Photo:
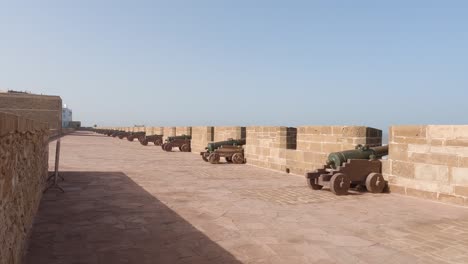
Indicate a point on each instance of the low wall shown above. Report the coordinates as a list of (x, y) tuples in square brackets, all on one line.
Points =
[(223, 133), (429, 162), (266, 146), (305, 148), (201, 135), (183, 131), (23, 172)]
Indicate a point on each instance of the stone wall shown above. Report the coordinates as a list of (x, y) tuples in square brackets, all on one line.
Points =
[(169, 132), (23, 172), (429, 162), (154, 131), (223, 133), (41, 108), (201, 136), (183, 131), (305, 148), (266, 147)]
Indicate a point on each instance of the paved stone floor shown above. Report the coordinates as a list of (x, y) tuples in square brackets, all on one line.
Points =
[(125, 203)]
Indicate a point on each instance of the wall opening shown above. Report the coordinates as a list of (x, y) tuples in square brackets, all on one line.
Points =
[(291, 138)]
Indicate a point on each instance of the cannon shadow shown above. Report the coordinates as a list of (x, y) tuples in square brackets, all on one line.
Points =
[(105, 217)]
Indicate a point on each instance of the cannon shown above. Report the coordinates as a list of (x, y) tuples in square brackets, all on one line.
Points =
[(132, 135), (231, 150), (156, 139), (121, 134), (183, 142), (351, 169)]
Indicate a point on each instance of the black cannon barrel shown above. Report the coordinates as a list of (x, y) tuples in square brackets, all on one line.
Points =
[(178, 137), (231, 142), (336, 159)]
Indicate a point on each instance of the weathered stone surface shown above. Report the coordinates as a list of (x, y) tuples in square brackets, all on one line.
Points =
[(224, 132), (23, 171), (201, 136), (435, 160)]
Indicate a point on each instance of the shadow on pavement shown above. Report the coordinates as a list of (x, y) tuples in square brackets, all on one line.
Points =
[(105, 217)]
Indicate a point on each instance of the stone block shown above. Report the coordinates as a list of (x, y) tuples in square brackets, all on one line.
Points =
[(409, 131), (459, 176), (442, 132), (331, 147), (398, 152), (8, 123), (429, 172), (418, 148), (421, 194), (354, 131), (403, 169), (457, 142), (397, 189), (463, 162), (386, 167), (409, 140), (461, 190), (460, 132), (447, 198)]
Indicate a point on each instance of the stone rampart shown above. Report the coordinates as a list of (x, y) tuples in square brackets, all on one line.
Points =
[(23, 174), (429, 161)]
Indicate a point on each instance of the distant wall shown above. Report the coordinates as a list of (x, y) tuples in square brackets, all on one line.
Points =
[(154, 131), (23, 174), (169, 132), (201, 136), (225, 132), (183, 131), (41, 108), (429, 162)]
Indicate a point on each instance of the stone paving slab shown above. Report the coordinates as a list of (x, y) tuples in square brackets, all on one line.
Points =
[(125, 203)]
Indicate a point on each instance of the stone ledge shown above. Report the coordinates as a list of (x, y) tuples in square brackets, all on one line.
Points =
[(13, 123), (426, 195)]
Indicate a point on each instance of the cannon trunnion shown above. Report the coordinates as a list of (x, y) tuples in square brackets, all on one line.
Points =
[(182, 142), (351, 168), (231, 150)]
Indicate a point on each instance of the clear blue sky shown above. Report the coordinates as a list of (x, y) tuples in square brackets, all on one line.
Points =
[(218, 62)]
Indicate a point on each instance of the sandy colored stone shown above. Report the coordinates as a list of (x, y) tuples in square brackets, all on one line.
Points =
[(403, 169), (460, 176), (409, 131)]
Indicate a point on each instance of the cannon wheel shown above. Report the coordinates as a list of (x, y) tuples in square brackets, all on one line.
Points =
[(205, 156), (130, 138), (144, 142), (158, 142), (214, 158), (185, 148), (313, 185), (228, 159), (167, 147), (238, 158), (121, 137), (375, 183), (339, 184)]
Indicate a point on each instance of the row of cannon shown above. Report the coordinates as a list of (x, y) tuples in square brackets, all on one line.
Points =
[(359, 168), (231, 149)]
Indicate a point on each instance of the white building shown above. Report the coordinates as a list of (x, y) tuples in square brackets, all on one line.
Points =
[(66, 116)]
